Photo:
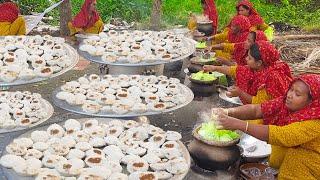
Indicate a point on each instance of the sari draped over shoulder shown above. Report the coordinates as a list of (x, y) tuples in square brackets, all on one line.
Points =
[(10, 22), (240, 52), (254, 17), (211, 12), (9, 12), (275, 112), (244, 24), (275, 78), (89, 23)]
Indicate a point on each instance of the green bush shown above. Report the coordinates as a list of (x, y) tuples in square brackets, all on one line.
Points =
[(303, 13)]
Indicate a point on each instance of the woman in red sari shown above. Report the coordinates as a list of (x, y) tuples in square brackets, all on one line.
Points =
[(10, 21), (87, 20), (210, 10), (245, 7), (264, 78), (290, 124), (239, 51), (238, 32)]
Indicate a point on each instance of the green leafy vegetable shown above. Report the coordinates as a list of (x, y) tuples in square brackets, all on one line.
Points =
[(201, 76), (201, 45), (269, 33), (209, 132), (204, 60)]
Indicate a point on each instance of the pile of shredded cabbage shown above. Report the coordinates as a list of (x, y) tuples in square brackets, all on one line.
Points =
[(201, 76), (209, 132)]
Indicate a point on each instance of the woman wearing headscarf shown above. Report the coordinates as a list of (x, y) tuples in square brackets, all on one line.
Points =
[(265, 76), (291, 124), (239, 51), (87, 20), (239, 31), (210, 11), (245, 8), (10, 21)]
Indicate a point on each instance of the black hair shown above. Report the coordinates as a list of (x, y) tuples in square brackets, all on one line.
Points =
[(244, 6), (254, 35), (255, 52)]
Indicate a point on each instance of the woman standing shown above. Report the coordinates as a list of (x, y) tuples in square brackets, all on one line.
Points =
[(291, 124), (210, 10), (11, 22), (87, 20)]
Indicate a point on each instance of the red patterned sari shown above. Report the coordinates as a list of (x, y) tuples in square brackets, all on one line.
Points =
[(241, 51), (9, 12), (211, 12), (274, 78), (84, 19), (254, 17), (244, 29), (275, 111)]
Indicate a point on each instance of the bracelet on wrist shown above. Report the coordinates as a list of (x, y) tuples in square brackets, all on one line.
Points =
[(247, 126)]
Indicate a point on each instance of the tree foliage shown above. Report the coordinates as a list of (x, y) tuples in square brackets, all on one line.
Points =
[(303, 13)]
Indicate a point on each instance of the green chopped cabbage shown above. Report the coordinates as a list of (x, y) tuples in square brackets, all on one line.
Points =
[(201, 76), (269, 32), (223, 80), (209, 132), (201, 45)]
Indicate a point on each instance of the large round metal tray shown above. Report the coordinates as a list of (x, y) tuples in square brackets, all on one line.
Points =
[(233, 100), (188, 43), (49, 109), (72, 53), (77, 109), (11, 174)]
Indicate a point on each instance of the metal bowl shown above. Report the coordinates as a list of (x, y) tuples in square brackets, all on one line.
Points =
[(245, 168)]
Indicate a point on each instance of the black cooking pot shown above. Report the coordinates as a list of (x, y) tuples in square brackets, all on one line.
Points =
[(203, 90), (213, 157), (205, 27), (194, 68)]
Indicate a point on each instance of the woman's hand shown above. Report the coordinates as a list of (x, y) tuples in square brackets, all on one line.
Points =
[(223, 61), (234, 91), (218, 111), (208, 49), (217, 46), (231, 123), (81, 31), (211, 38), (209, 68)]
